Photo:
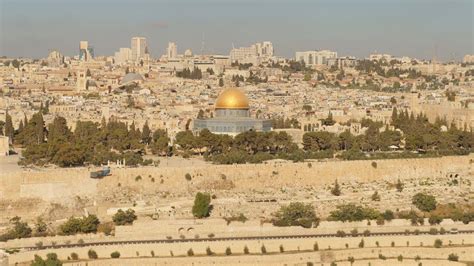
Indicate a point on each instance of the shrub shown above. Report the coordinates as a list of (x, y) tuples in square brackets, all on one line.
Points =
[(336, 190), (382, 257), (435, 219), (393, 243), (152, 253), (188, 176), (442, 231), (375, 196), (209, 251), (124, 217), (92, 254), (453, 257), (190, 252), (264, 249), (400, 257), (316, 246), (80, 241), (296, 214), (240, 218), (282, 249), (377, 243), (380, 221), (361, 244), (85, 225), (340, 233), (351, 260), (388, 215), (51, 260), (367, 232), (115, 255), (211, 235), (74, 256), (351, 212), (433, 231), (246, 250), (201, 207), (228, 251), (39, 244), (138, 178), (354, 232), (424, 202), (438, 243), (106, 228), (399, 186)]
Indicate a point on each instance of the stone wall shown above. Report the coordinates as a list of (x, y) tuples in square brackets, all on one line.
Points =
[(51, 184)]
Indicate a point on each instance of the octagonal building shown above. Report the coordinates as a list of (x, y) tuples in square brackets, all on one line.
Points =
[(232, 115)]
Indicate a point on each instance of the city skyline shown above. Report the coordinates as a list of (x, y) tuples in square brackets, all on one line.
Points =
[(428, 28)]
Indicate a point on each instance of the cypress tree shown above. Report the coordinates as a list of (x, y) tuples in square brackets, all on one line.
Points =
[(146, 132), (9, 130)]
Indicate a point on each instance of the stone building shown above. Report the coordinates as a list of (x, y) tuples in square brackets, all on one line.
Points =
[(232, 116)]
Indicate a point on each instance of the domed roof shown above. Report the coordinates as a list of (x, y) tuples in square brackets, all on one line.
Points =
[(129, 77), (232, 98)]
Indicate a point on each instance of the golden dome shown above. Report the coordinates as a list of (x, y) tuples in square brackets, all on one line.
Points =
[(232, 98)]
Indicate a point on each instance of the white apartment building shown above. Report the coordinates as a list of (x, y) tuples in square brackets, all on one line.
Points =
[(377, 57), (139, 48), (468, 59), (172, 50), (256, 51), (311, 58), (123, 56)]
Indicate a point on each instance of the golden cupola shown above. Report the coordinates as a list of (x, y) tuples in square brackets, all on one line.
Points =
[(232, 98)]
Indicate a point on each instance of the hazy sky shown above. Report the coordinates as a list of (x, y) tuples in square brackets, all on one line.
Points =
[(351, 27)]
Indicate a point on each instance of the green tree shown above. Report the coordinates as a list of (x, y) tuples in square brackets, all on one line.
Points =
[(201, 207), (92, 254), (9, 130), (296, 214), (58, 131), (336, 190), (115, 255), (146, 133), (318, 141), (351, 212), (424, 202), (20, 229), (159, 144), (124, 217), (51, 260)]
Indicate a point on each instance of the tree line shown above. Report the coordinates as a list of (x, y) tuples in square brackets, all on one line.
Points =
[(90, 143), (97, 143)]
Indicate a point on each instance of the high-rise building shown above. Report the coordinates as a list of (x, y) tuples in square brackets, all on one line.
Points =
[(123, 56), (255, 51), (311, 58), (172, 50), (86, 52), (55, 59), (139, 48)]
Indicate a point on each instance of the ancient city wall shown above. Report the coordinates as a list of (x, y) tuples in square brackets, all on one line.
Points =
[(59, 183)]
